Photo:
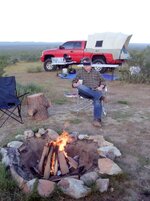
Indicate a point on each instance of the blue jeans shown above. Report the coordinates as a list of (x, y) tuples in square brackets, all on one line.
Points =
[(95, 95)]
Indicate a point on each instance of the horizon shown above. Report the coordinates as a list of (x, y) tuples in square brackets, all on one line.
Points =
[(54, 42)]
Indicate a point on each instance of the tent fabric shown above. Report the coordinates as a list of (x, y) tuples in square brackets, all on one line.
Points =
[(113, 43), (110, 40)]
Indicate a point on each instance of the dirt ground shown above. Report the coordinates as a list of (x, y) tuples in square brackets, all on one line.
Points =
[(127, 126)]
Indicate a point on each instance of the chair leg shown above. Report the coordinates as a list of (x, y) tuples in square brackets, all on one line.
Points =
[(11, 114), (104, 109), (19, 112)]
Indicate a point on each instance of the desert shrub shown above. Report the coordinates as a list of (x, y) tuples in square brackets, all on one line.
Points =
[(3, 63), (141, 59), (30, 88)]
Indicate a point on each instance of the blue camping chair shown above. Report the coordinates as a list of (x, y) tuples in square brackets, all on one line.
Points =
[(10, 103)]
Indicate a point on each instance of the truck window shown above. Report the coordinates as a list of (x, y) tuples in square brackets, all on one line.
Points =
[(77, 45), (99, 43), (72, 45), (68, 45)]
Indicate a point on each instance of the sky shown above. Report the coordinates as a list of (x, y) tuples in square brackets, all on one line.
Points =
[(63, 20)]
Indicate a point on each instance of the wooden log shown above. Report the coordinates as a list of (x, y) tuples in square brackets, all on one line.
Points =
[(62, 163), (38, 106), (44, 154), (48, 164), (56, 166), (56, 161), (72, 162)]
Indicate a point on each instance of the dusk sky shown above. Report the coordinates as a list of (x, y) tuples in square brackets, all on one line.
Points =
[(62, 20)]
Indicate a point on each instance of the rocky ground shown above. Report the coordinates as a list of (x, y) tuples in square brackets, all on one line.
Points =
[(127, 126)]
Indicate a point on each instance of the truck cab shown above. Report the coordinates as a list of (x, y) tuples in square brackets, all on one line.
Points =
[(75, 49)]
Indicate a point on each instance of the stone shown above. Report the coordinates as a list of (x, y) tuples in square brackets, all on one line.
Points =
[(28, 133), (19, 180), (5, 157), (45, 187), (29, 186), (53, 135), (38, 135), (100, 140), (83, 137), (102, 185), (20, 137), (109, 152), (107, 166), (41, 131), (89, 178), (15, 144), (73, 187)]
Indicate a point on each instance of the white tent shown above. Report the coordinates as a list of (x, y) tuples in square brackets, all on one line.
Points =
[(108, 42)]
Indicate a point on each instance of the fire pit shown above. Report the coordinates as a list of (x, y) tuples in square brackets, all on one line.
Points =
[(53, 159), (65, 156)]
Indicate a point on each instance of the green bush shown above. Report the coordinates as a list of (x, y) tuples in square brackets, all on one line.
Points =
[(141, 59), (3, 63), (30, 88), (6, 184)]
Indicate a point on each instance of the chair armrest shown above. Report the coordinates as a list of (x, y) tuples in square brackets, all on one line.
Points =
[(23, 95)]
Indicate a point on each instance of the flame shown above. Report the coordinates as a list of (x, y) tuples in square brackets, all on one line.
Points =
[(58, 145), (62, 140)]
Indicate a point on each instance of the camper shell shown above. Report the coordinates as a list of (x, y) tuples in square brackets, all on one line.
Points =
[(114, 43)]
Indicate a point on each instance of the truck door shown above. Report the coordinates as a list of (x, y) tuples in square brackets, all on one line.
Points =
[(72, 49)]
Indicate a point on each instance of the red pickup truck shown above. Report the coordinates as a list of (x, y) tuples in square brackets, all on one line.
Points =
[(79, 49)]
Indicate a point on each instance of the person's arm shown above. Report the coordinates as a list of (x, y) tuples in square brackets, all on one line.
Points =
[(102, 84), (75, 81)]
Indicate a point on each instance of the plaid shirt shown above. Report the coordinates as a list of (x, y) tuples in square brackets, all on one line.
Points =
[(91, 79)]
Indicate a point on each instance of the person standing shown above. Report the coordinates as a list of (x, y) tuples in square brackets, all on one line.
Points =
[(91, 87)]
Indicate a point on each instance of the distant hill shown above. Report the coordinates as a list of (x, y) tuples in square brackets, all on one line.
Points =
[(4, 44), (45, 45), (26, 46), (138, 46)]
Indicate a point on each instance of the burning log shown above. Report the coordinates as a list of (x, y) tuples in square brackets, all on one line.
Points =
[(63, 163), (72, 162), (54, 160), (44, 154), (48, 163), (56, 167)]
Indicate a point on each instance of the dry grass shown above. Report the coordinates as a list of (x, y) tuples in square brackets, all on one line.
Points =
[(126, 126)]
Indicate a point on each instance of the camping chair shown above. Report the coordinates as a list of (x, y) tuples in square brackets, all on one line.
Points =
[(84, 103), (10, 103)]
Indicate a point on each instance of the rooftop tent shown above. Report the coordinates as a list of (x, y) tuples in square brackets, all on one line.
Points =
[(108, 42)]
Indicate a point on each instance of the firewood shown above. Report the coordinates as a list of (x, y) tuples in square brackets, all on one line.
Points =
[(44, 154), (56, 161), (48, 164), (62, 163), (72, 162), (56, 166)]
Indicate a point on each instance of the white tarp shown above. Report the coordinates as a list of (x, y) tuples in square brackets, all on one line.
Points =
[(108, 42)]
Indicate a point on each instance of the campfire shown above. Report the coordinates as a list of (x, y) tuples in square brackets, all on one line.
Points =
[(55, 160), (66, 161)]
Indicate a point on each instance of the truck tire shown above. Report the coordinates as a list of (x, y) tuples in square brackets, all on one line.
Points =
[(100, 69), (48, 65)]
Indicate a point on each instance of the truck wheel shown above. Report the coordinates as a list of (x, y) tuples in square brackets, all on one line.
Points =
[(48, 65), (100, 69)]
